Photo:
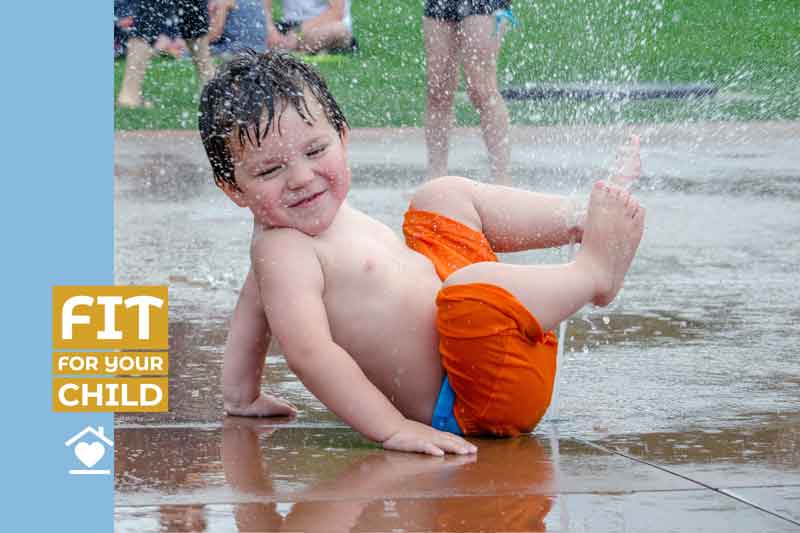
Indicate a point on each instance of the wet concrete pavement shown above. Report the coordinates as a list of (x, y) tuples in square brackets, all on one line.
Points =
[(680, 404), (252, 475)]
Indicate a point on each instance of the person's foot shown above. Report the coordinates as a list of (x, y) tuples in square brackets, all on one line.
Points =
[(614, 226), (628, 165), (133, 103)]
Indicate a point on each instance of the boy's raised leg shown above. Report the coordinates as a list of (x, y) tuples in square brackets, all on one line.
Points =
[(552, 293)]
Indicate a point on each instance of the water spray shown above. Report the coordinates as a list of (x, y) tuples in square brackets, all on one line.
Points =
[(626, 171)]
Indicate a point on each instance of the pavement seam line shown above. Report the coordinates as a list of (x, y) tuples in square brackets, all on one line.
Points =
[(287, 498), (723, 492)]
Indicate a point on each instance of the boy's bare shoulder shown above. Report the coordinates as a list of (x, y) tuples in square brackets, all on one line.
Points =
[(266, 239), (291, 282), (282, 253)]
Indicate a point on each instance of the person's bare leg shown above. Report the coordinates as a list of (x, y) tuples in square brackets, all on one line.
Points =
[(442, 76), (552, 293), (201, 56), (138, 56), (628, 164), (333, 35), (479, 43)]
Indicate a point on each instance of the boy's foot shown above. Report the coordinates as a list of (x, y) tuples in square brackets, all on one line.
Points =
[(628, 165), (614, 226)]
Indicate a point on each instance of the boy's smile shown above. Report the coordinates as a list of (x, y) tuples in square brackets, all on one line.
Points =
[(298, 177)]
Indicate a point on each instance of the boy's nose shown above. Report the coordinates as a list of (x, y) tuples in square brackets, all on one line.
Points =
[(301, 175)]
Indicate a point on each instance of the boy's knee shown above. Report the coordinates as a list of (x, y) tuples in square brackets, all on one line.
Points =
[(438, 191), (484, 272), (449, 196)]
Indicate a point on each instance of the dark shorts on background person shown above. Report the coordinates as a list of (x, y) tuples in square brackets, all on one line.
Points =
[(285, 26), (458, 10), (177, 18)]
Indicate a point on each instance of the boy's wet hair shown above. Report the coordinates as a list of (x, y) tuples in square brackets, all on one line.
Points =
[(252, 88)]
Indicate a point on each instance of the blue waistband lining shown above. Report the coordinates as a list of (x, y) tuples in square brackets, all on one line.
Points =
[(443, 417)]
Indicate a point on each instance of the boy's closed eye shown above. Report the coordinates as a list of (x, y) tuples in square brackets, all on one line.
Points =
[(269, 171), (313, 152), (317, 150)]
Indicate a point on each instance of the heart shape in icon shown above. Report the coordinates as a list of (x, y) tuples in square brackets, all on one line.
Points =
[(89, 454)]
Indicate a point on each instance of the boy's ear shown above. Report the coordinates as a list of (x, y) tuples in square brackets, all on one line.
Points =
[(233, 193)]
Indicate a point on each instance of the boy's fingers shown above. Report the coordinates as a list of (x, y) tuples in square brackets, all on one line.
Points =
[(455, 444), (471, 448), (285, 409), (280, 402), (432, 449), (464, 443), (463, 448), (290, 405)]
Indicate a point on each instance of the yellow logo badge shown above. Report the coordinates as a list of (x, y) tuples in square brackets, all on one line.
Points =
[(122, 330)]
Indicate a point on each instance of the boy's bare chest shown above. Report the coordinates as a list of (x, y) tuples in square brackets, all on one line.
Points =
[(380, 299), (374, 282), (373, 263)]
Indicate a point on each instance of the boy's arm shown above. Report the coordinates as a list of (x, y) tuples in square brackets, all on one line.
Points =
[(291, 287), (243, 363)]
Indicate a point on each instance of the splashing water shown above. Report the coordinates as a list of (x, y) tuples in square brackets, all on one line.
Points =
[(626, 171)]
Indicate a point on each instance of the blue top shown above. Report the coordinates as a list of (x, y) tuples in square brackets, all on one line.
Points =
[(245, 27)]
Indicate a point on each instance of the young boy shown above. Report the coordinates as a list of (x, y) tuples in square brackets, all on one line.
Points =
[(412, 345)]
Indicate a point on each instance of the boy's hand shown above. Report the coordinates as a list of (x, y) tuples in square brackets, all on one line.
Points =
[(415, 437), (263, 405)]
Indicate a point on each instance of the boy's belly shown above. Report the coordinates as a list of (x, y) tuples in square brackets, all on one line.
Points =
[(388, 325)]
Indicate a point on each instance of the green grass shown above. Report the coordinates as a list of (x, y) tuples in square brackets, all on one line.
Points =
[(748, 48)]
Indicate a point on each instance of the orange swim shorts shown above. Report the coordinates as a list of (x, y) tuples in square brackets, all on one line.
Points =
[(499, 363)]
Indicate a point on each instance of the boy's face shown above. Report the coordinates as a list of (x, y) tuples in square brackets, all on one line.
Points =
[(296, 179)]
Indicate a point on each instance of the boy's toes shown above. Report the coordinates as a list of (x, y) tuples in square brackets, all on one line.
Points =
[(599, 193), (632, 205), (638, 218), (618, 194)]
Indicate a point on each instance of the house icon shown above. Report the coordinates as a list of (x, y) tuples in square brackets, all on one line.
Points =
[(90, 453)]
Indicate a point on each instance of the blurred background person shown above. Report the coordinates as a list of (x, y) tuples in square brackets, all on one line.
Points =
[(311, 26), (466, 34), (237, 24), (187, 19)]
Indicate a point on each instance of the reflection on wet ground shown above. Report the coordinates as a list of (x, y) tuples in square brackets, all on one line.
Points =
[(252, 475), (680, 403)]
